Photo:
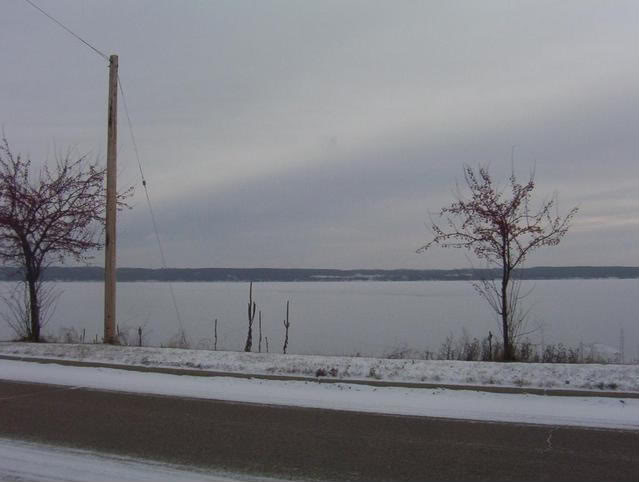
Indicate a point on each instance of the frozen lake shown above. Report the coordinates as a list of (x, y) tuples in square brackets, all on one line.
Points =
[(346, 318)]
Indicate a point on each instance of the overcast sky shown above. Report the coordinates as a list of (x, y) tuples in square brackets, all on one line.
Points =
[(322, 133)]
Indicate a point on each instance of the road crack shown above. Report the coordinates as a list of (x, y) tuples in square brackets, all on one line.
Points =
[(549, 440)]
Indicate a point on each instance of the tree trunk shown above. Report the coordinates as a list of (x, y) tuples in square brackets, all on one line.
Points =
[(505, 314), (34, 308), (505, 306), (249, 338)]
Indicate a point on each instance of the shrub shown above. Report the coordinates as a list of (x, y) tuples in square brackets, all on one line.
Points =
[(486, 354), (562, 353), (178, 340), (472, 350), (573, 355), (446, 350), (399, 352), (524, 351), (549, 355)]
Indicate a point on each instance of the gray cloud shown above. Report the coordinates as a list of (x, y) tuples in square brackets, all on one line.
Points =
[(322, 133)]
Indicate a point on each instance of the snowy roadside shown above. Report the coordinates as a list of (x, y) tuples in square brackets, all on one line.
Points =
[(600, 412), (31, 462), (611, 378)]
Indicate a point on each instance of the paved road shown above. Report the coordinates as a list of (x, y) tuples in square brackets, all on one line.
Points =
[(299, 443)]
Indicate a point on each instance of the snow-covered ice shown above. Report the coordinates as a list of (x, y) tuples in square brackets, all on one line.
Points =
[(459, 404), (623, 378), (31, 462)]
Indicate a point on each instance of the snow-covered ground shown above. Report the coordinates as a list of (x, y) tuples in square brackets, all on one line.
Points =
[(622, 378), (459, 404), (30, 462)]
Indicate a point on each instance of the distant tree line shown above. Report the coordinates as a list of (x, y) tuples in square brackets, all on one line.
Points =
[(93, 273)]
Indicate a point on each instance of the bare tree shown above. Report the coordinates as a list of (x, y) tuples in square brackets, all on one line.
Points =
[(501, 229), (48, 216)]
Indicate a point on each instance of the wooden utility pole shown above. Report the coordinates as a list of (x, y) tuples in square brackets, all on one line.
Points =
[(111, 208)]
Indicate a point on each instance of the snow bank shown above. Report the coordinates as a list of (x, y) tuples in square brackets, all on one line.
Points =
[(623, 378)]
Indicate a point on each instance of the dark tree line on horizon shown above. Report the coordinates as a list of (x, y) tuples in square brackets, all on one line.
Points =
[(95, 273)]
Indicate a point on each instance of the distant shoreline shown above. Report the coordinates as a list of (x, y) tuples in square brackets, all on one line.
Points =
[(93, 273)]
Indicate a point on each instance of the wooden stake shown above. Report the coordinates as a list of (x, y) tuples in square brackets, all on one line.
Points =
[(111, 208), (259, 318), (287, 325)]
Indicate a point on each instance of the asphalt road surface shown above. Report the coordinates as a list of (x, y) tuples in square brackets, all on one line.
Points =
[(300, 443)]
